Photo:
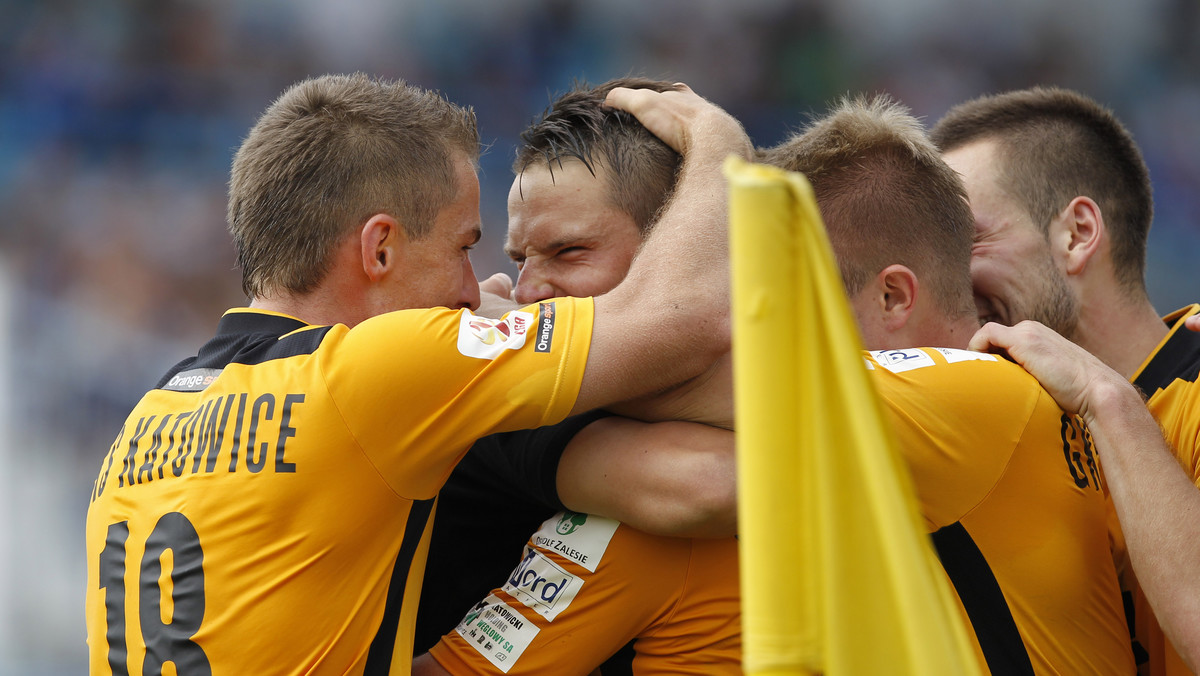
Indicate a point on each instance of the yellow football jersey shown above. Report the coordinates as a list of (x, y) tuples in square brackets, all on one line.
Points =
[(1011, 491), (585, 586), (1168, 378), (263, 510)]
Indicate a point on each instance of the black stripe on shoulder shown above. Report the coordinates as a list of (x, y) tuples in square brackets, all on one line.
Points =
[(303, 342), (379, 658), (249, 338), (173, 371), (1179, 359), (984, 602)]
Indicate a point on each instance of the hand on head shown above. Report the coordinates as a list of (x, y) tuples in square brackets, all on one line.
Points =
[(683, 120)]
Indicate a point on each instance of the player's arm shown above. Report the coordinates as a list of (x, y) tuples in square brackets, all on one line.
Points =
[(670, 478), (1193, 323), (1156, 502), (668, 321), (707, 398)]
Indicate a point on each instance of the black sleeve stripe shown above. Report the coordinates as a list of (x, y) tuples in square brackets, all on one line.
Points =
[(304, 342), (250, 338), (525, 463), (379, 658), (1179, 359), (983, 599)]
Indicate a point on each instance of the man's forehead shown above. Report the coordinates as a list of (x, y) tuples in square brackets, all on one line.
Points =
[(549, 231), (563, 171), (547, 208)]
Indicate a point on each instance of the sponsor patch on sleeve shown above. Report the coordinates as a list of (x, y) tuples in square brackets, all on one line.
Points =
[(486, 338), (542, 585), (194, 380), (953, 355), (499, 632), (544, 338), (898, 361), (581, 538)]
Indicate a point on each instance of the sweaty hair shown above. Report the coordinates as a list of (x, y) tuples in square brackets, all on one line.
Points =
[(1054, 145), (641, 169), (330, 153), (886, 197)]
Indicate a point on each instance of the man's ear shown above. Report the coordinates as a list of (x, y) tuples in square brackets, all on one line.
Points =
[(897, 288), (380, 241), (1077, 233)]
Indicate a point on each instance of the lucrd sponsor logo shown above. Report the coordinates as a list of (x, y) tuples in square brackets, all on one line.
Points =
[(538, 578)]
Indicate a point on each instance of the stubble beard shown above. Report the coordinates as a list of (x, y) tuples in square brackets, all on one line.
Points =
[(1055, 305)]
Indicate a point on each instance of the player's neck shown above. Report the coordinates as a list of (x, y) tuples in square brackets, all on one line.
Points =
[(313, 308), (947, 330), (933, 330), (1120, 331), (959, 331)]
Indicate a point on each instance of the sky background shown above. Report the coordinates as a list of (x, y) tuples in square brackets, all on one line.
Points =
[(118, 122)]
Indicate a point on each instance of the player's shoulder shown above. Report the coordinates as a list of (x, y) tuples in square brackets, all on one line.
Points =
[(943, 361), (950, 375)]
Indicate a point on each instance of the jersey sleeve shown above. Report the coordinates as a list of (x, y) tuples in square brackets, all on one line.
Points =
[(523, 464), (416, 388), (584, 588), (958, 416), (1169, 377), (1177, 410)]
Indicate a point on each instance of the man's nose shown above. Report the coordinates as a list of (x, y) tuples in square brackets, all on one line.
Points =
[(533, 286)]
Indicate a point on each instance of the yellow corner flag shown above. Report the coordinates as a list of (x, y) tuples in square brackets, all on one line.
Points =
[(837, 574)]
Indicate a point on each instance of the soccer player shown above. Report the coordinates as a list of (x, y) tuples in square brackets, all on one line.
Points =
[(666, 477), (985, 444), (590, 182), (264, 507), (1062, 204), (1140, 469), (1040, 597)]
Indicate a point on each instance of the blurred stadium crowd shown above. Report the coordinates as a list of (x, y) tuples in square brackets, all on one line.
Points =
[(118, 121)]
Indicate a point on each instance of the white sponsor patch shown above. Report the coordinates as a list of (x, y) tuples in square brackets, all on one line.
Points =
[(581, 538), (953, 355), (486, 338), (870, 364), (898, 361), (499, 632), (195, 380), (542, 585)]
